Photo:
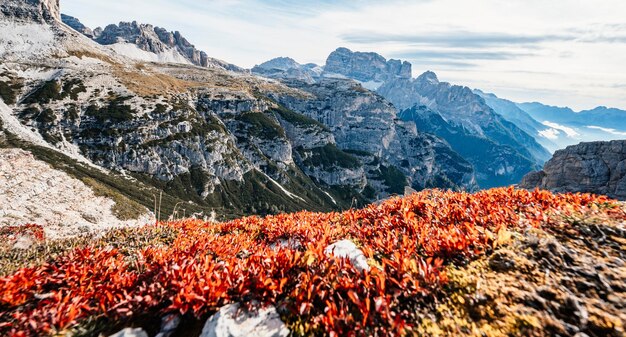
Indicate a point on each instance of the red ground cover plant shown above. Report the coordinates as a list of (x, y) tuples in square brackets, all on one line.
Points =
[(12, 233), (280, 260)]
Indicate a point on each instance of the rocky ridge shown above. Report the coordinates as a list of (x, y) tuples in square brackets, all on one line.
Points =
[(594, 167), (166, 45), (502, 154)]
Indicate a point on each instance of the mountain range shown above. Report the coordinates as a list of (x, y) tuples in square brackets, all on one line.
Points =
[(144, 105)]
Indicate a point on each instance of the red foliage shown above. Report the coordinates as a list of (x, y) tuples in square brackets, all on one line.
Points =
[(12, 233), (407, 240)]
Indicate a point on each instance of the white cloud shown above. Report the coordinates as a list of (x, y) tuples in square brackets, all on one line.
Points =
[(570, 132), (550, 133), (564, 53), (607, 130)]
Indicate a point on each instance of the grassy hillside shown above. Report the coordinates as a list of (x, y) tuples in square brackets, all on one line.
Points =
[(500, 262)]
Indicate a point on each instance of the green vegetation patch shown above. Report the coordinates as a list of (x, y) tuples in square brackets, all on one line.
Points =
[(393, 178), (124, 208), (116, 111), (46, 93), (329, 156), (261, 125), (9, 91), (297, 119)]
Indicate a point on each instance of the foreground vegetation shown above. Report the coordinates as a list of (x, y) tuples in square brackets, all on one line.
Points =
[(501, 262)]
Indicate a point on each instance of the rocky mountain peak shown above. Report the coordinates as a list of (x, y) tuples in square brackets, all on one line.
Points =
[(280, 63), (365, 66), (428, 76), (39, 11)]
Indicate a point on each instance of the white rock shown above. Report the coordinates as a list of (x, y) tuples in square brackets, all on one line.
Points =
[(130, 332), (347, 249), (228, 322), (23, 242)]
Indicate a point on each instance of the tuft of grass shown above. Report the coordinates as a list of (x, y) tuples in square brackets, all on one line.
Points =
[(124, 208)]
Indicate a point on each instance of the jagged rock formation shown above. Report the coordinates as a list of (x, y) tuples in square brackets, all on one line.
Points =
[(38, 11), (468, 117), (78, 26), (595, 167), (365, 67), (165, 46)]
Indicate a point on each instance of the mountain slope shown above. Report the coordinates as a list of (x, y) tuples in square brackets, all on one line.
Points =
[(365, 125), (511, 112), (515, 152), (165, 125)]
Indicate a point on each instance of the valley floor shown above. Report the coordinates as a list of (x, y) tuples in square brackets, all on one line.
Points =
[(501, 262)]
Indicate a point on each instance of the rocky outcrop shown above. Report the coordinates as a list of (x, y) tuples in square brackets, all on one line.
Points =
[(38, 11), (75, 24), (595, 167), (167, 45), (365, 67), (232, 321)]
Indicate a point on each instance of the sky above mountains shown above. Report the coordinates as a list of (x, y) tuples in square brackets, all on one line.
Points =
[(565, 53)]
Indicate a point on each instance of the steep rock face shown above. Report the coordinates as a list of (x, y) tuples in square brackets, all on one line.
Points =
[(495, 164), (511, 112), (465, 116), (365, 67), (77, 25), (365, 125), (38, 11), (595, 167)]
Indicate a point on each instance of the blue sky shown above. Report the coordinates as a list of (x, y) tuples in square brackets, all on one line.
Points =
[(565, 52)]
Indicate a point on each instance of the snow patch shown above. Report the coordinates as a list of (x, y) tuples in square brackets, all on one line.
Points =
[(289, 194), (132, 51), (331, 197), (20, 40)]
